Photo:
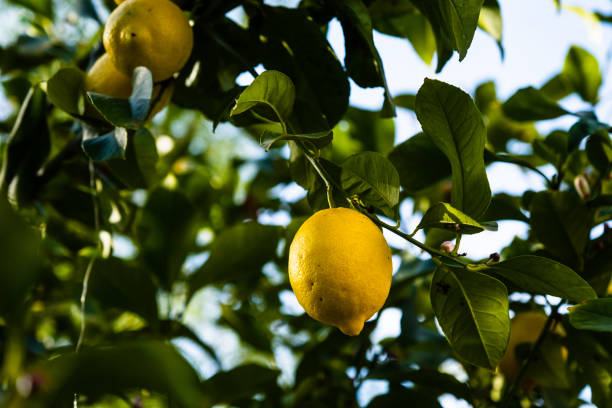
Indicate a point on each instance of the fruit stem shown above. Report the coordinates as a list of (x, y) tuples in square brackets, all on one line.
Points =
[(517, 380), (431, 251), (315, 164), (457, 243)]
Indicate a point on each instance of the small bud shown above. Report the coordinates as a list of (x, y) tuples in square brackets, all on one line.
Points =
[(447, 246), (494, 257), (582, 187)]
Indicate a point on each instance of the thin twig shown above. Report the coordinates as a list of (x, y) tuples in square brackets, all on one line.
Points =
[(90, 264)]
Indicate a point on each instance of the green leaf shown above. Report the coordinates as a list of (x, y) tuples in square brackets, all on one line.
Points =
[(122, 367), (296, 46), (472, 309), (20, 251), (599, 152), (490, 20), (529, 104), (128, 113), (362, 61), (419, 163), (116, 283), (406, 101), (588, 124), (64, 89), (448, 115), (237, 254), (366, 131), (454, 23), (504, 207), (247, 327), (374, 179), (406, 21), (536, 274), (111, 145), (561, 221), (271, 95), (318, 140), (433, 380), (166, 230), (243, 381), (27, 149), (595, 315), (581, 72), (443, 215), (139, 169)]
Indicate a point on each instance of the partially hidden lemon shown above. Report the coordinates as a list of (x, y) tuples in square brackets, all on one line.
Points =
[(103, 78), (340, 268), (151, 33), (524, 328)]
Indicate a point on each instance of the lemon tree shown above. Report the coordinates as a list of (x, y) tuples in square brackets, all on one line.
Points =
[(192, 214)]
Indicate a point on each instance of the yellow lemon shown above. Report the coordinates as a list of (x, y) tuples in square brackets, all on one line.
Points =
[(340, 268), (151, 33), (103, 78), (524, 328)]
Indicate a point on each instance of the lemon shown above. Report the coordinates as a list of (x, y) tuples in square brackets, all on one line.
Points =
[(340, 268), (151, 33), (524, 328), (103, 78)]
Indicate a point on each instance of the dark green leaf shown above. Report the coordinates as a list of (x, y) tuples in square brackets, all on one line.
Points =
[(122, 367), (586, 125), (138, 170), (296, 46), (243, 381), (111, 145), (561, 221), (540, 275), (166, 231), (20, 253), (27, 148), (454, 23), (529, 104), (439, 383), (595, 315), (504, 207), (472, 309), (419, 163), (271, 95), (443, 215), (247, 327), (374, 179), (362, 61), (64, 89), (237, 254), (599, 152), (115, 283), (448, 115)]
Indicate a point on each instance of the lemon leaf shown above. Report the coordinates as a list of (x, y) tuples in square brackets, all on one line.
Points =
[(529, 104), (536, 274), (443, 215), (596, 314), (271, 95), (374, 179), (472, 309), (449, 116)]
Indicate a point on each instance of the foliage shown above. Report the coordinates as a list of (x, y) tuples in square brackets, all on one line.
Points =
[(128, 245)]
